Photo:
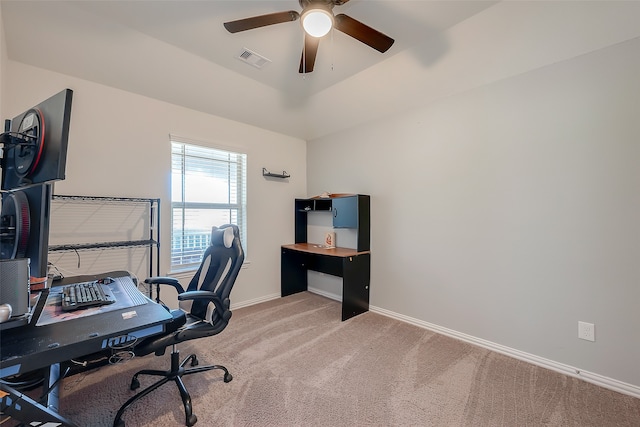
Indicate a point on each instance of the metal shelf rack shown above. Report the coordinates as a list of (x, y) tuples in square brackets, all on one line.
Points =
[(152, 242)]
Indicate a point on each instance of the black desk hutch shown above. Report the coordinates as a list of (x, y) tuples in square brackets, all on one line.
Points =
[(353, 265)]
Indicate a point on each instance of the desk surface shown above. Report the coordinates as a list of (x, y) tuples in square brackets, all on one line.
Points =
[(321, 250), (30, 347), (354, 267)]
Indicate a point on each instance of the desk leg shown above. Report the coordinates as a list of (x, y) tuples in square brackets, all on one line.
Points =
[(293, 273), (355, 285), (22, 408), (53, 397)]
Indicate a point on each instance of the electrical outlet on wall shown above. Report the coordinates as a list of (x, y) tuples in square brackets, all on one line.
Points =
[(586, 331)]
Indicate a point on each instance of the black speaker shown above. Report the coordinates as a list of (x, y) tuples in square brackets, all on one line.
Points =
[(14, 285)]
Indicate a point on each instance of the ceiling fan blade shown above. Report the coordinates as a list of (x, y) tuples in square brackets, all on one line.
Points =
[(261, 21), (309, 53), (364, 33)]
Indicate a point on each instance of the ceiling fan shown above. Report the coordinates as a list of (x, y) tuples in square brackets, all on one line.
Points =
[(317, 20)]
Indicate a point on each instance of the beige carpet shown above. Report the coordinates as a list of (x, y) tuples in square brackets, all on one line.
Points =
[(296, 364)]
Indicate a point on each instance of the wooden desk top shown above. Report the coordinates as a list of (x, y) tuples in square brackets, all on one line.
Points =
[(320, 250)]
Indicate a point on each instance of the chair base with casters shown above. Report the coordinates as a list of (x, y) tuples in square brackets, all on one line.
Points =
[(175, 374)]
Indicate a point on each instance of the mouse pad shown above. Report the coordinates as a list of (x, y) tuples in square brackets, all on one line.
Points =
[(124, 295)]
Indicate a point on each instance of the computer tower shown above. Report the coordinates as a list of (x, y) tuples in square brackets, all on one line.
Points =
[(14, 285)]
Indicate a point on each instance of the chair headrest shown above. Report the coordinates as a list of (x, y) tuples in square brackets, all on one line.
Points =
[(222, 236)]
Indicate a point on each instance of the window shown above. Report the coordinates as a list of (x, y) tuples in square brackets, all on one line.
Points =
[(208, 188)]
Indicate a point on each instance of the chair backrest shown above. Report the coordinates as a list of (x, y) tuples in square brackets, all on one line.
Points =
[(218, 271)]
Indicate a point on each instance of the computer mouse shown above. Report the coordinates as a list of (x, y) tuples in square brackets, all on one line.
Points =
[(5, 312)]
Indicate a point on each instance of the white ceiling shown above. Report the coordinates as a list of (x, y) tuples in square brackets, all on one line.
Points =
[(179, 52)]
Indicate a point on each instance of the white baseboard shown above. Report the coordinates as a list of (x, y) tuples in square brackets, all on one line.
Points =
[(254, 301), (324, 293), (276, 296), (600, 380)]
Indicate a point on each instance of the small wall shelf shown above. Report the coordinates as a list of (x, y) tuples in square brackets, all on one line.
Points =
[(282, 175)]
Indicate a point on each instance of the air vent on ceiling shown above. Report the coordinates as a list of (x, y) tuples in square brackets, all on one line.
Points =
[(253, 58)]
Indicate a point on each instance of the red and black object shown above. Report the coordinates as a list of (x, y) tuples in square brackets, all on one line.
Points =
[(35, 144), (14, 226), (28, 153)]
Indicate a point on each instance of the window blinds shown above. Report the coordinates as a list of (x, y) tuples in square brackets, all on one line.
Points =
[(208, 188)]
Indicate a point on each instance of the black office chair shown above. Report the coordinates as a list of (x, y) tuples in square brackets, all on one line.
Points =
[(208, 294)]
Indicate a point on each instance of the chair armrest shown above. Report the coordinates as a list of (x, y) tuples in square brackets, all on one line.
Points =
[(201, 295), (164, 280)]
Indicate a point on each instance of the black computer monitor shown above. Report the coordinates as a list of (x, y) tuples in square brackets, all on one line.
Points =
[(34, 154), (35, 145)]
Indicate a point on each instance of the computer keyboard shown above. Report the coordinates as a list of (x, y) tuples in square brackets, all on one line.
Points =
[(76, 296)]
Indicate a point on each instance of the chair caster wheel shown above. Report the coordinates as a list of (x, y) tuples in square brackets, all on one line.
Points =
[(192, 420), (120, 423), (135, 384), (194, 361), (227, 377)]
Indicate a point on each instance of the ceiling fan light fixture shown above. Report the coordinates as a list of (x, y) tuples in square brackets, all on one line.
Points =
[(317, 22)]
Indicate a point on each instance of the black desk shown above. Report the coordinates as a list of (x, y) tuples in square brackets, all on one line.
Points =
[(30, 348), (354, 267)]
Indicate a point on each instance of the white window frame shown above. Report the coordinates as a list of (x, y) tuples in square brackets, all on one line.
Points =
[(188, 254)]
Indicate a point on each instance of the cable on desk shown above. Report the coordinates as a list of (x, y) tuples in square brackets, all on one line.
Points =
[(28, 383), (83, 363), (54, 272), (87, 362), (121, 357), (123, 352)]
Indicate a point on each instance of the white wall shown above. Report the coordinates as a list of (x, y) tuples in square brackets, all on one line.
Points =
[(119, 146), (510, 212), (3, 61)]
